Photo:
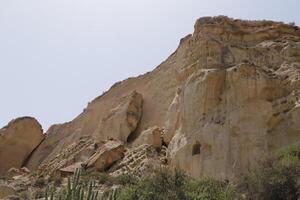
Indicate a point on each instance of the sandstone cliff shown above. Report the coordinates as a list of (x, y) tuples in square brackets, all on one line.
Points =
[(229, 94), (17, 141)]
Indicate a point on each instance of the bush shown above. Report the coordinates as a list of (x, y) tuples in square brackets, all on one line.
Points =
[(209, 189), (165, 185), (40, 182), (75, 190), (125, 179), (160, 186), (100, 177), (277, 177)]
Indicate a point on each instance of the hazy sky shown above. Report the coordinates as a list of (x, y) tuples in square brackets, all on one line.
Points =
[(57, 55)]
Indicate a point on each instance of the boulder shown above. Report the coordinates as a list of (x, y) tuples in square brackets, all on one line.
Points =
[(17, 141), (71, 169), (107, 155), (151, 136), (12, 172), (122, 120)]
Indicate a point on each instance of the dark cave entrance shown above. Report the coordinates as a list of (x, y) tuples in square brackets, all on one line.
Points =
[(196, 149)]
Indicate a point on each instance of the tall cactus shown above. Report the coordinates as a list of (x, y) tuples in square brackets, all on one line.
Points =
[(75, 190)]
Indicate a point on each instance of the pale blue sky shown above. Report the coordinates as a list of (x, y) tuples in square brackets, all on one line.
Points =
[(57, 55)]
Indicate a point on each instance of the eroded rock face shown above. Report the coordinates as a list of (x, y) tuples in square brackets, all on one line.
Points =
[(229, 94), (242, 92), (152, 136), (6, 191), (140, 160), (122, 120), (17, 141), (108, 154)]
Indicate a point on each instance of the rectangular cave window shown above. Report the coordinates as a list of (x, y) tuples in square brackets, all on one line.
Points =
[(196, 149)]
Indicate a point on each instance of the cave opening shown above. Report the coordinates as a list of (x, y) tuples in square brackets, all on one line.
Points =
[(196, 149)]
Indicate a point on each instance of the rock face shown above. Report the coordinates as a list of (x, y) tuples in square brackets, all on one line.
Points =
[(140, 160), (17, 141), (152, 136), (122, 120), (6, 191), (110, 152), (229, 94)]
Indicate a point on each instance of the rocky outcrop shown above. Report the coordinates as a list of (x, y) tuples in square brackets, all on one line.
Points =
[(17, 141), (6, 191), (70, 158), (242, 92), (116, 119), (228, 95), (151, 136), (122, 120), (140, 160), (107, 155)]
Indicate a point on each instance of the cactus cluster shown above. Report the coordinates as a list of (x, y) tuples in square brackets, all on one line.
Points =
[(76, 190)]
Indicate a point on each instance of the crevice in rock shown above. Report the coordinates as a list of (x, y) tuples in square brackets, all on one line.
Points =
[(29, 156)]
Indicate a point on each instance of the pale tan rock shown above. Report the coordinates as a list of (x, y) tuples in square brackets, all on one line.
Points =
[(228, 95), (77, 152), (13, 172), (6, 191), (151, 136), (295, 118), (108, 154), (70, 169), (17, 140), (122, 120), (172, 118), (139, 160)]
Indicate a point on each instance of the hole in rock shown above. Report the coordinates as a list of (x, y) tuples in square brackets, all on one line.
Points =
[(196, 149)]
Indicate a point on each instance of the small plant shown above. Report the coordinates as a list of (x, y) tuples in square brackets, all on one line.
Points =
[(209, 189), (75, 190), (125, 179), (40, 182), (56, 180), (175, 185), (161, 185), (101, 177)]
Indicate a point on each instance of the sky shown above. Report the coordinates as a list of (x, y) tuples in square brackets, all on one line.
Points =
[(57, 55)]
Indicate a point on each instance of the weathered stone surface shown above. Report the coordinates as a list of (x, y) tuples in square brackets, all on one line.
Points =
[(117, 118), (6, 191), (77, 152), (70, 169), (12, 172), (172, 118), (108, 154), (140, 160), (228, 95), (238, 101), (17, 140), (122, 120), (151, 136)]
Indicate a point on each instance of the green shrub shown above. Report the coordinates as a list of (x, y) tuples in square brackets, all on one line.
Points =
[(40, 182), (125, 179), (277, 177), (75, 190), (160, 186), (56, 180), (209, 189), (165, 185)]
